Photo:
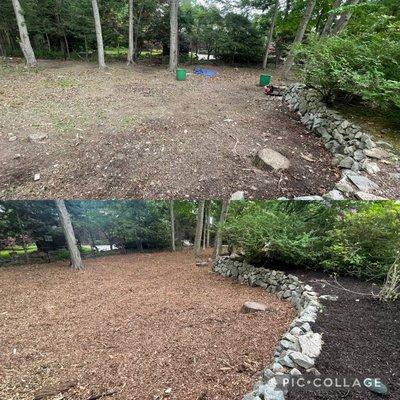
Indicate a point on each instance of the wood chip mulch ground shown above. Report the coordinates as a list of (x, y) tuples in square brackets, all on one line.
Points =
[(140, 326)]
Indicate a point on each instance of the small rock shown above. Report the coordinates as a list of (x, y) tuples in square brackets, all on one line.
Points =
[(12, 138), (36, 177), (311, 344), (363, 184), (302, 360), (309, 198), (168, 391), (295, 372), (347, 162), (334, 195), (328, 297), (375, 385), (37, 137), (344, 186), (377, 153), (368, 196), (17, 156), (371, 167), (237, 196), (252, 307), (313, 371), (268, 159)]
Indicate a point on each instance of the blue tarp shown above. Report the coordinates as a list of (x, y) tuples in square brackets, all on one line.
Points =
[(205, 72)]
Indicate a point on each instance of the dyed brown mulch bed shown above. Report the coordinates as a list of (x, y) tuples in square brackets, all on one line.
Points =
[(138, 133), (361, 338), (137, 325)]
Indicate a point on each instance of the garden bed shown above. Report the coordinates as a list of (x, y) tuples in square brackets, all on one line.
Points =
[(361, 337)]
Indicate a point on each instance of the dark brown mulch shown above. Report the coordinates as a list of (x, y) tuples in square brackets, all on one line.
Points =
[(135, 325), (361, 338)]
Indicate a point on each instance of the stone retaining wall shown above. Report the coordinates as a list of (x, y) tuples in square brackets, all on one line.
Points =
[(300, 346), (353, 150)]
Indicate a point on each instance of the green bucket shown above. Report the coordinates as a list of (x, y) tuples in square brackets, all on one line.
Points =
[(181, 74), (265, 80)]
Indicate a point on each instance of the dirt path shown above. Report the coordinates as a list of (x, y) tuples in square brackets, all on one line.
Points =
[(138, 324), (138, 133)]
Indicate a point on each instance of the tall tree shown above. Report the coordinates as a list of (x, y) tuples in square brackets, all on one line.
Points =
[(270, 34), (25, 42), (299, 36), (218, 236), (99, 34), (75, 255), (199, 227), (174, 45), (171, 206), (130, 34), (331, 18), (344, 19)]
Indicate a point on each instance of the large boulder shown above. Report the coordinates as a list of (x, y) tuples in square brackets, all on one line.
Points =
[(268, 159)]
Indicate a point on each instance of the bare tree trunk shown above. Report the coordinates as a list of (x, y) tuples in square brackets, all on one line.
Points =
[(270, 34), (205, 225), (331, 18), (172, 226), (24, 244), (130, 35), (218, 236), (75, 255), (99, 35), (208, 224), (199, 228), (25, 43), (173, 55), (299, 37), (344, 19), (136, 39), (287, 8)]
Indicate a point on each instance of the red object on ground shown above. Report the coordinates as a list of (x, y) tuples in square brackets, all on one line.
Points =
[(268, 89)]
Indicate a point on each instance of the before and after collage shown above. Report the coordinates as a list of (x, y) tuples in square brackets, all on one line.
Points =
[(199, 199)]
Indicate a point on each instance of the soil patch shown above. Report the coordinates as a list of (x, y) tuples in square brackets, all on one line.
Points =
[(137, 324), (361, 338), (138, 133)]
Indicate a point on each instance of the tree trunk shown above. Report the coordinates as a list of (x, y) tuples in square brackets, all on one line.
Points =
[(344, 19), (130, 35), (173, 55), (75, 256), (331, 17), (172, 226), (208, 224), (99, 35), (137, 30), (218, 236), (299, 37), (199, 228), (205, 225), (25, 43), (270, 34), (287, 8), (22, 231)]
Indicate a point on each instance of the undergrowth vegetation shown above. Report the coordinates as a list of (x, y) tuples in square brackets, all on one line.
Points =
[(359, 239)]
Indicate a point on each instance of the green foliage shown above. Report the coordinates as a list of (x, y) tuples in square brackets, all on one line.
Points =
[(363, 62), (348, 238)]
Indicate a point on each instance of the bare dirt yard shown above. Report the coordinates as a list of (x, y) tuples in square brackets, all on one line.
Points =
[(139, 326), (138, 133)]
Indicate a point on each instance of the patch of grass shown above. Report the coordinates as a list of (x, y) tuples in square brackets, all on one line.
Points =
[(64, 125), (5, 253), (66, 83)]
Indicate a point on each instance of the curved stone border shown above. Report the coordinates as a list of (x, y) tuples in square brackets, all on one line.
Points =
[(353, 150), (300, 346)]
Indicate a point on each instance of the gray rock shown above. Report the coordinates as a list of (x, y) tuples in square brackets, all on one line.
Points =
[(334, 195), (377, 153), (295, 372), (287, 361), (269, 159), (12, 138), (251, 396), (359, 155), (296, 331), (302, 360), (309, 198), (253, 307), (313, 371), (347, 162), (375, 386), (344, 186), (237, 196), (37, 137), (394, 175), (328, 297), (368, 196), (362, 183), (310, 344), (371, 167), (269, 393)]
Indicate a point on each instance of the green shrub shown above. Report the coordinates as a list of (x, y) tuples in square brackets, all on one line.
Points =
[(367, 67)]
